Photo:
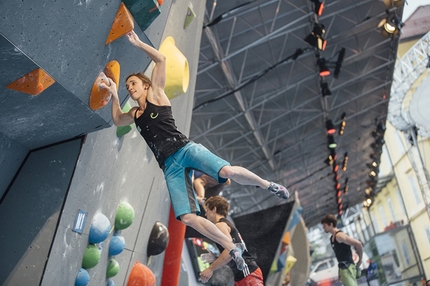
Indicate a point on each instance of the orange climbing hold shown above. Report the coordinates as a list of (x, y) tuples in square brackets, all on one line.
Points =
[(99, 97), (32, 83), (141, 275), (122, 24)]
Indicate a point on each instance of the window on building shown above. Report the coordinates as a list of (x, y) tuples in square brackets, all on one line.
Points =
[(393, 214), (375, 223), (427, 229), (399, 197), (414, 188), (383, 218), (405, 254)]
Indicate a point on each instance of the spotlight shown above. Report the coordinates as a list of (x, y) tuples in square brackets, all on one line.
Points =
[(324, 89), (395, 3), (330, 159), (330, 127), (335, 168), (331, 143), (339, 63), (345, 161), (324, 71), (342, 124), (316, 37), (318, 7), (391, 25)]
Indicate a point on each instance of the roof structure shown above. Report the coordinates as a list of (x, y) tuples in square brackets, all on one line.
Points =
[(417, 25), (259, 102)]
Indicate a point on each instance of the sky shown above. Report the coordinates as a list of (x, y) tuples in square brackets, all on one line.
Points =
[(411, 5)]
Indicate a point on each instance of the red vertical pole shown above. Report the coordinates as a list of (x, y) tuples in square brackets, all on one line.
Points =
[(173, 255)]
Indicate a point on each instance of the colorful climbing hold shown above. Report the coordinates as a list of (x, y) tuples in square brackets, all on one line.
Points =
[(91, 257), (100, 228), (124, 216)]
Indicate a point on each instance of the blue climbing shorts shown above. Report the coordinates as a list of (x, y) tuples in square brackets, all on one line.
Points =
[(178, 173)]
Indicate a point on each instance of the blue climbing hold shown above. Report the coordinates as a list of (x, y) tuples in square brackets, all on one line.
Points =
[(100, 228), (116, 245), (110, 282), (82, 278)]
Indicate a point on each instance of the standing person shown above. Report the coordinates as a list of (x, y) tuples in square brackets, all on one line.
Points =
[(341, 244), (176, 155), (217, 209), (206, 186)]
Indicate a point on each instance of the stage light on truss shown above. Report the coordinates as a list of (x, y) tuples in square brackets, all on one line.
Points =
[(391, 25), (345, 161), (342, 124), (372, 173), (318, 7), (324, 89), (316, 37), (330, 127), (330, 142), (395, 3), (324, 71), (335, 168)]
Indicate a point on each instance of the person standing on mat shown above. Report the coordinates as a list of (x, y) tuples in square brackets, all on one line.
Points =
[(217, 209), (177, 155), (341, 244)]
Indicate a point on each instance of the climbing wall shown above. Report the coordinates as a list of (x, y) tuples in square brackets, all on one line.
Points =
[(67, 40)]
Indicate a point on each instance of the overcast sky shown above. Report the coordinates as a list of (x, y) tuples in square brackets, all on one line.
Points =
[(411, 6)]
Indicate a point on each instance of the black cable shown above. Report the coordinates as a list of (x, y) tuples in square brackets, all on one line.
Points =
[(220, 17)]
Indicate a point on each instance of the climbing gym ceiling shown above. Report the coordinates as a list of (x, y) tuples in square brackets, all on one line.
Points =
[(268, 92)]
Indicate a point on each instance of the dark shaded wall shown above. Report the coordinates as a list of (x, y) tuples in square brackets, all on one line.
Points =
[(30, 212)]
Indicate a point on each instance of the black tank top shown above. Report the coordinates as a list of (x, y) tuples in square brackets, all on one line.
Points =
[(252, 265), (342, 250), (157, 127)]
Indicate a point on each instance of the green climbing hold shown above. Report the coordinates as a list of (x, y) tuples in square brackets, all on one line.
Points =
[(91, 257), (112, 269), (124, 216)]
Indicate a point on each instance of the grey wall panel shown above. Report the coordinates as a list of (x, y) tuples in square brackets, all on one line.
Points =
[(67, 39), (110, 170), (12, 155), (30, 212)]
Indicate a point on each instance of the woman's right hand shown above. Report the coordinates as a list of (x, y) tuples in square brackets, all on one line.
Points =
[(133, 38)]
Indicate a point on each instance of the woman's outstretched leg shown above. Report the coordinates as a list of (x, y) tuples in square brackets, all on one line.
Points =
[(245, 177)]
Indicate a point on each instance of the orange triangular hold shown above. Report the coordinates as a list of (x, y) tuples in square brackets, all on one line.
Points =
[(99, 97), (123, 23), (32, 83)]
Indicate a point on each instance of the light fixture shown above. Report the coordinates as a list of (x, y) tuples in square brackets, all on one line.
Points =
[(324, 89), (339, 63), (372, 174), (316, 37), (345, 161), (335, 168), (330, 127), (391, 25), (346, 187), (342, 124), (318, 7), (324, 71), (395, 3), (330, 142)]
